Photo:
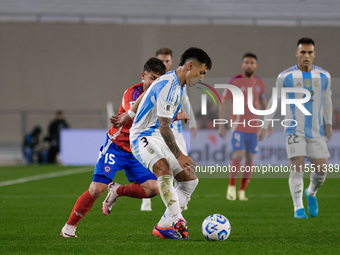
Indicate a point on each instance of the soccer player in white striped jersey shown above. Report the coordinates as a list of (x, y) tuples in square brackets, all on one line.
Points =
[(165, 54), (154, 145), (306, 136)]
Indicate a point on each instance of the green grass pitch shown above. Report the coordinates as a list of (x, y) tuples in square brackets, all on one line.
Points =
[(33, 213)]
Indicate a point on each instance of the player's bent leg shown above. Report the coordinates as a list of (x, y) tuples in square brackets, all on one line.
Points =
[(138, 174), (147, 189), (97, 189), (186, 185), (158, 163), (82, 206), (151, 189), (167, 191), (161, 168)]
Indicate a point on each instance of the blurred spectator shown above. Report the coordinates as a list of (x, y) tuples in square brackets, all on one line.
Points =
[(54, 135), (30, 143)]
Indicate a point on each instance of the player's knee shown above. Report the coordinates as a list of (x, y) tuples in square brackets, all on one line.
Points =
[(249, 160), (297, 161), (183, 176), (153, 191), (96, 189), (239, 155), (151, 188), (161, 167)]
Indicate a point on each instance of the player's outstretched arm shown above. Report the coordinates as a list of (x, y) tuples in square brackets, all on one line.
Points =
[(184, 161)]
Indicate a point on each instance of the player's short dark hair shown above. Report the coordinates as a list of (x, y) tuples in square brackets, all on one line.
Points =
[(164, 51), (198, 54), (249, 55), (305, 40), (154, 65)]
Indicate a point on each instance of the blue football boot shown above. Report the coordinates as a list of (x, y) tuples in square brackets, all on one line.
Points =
[(166, 233), (313, 207), (300, 214)]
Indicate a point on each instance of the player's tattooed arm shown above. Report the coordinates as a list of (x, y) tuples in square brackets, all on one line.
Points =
[(168, 136)]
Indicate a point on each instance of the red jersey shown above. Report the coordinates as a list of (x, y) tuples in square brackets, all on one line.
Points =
[(120, 136), (258, 89)]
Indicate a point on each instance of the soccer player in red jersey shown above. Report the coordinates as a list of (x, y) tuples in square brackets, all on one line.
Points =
[(116, 155), (244, 136)]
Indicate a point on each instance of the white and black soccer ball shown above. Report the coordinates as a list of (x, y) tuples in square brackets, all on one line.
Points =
[(216, 227)]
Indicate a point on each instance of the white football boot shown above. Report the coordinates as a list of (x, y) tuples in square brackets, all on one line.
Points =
[(68, 231), (111, 197), (242, 195), (231, 193)]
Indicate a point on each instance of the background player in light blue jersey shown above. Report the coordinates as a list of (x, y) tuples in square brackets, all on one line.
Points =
[(154, 144), (165, 54), (307, 138)]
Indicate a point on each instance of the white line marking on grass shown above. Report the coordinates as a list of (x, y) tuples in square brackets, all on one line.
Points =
[(45, 176)]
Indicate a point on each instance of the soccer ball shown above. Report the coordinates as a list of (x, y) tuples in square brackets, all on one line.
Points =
[(216, 227)]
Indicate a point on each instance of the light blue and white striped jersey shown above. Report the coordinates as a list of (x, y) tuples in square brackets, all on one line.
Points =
[(162, 99), (318, 82), (186, 108)]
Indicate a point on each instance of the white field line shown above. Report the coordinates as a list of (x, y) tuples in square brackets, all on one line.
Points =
[(45, 176)]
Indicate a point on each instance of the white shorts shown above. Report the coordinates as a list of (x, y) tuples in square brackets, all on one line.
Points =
[(150, 149), (309, 147)]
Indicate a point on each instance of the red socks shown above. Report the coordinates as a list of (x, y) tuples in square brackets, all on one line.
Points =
[(235, 165), (82, 206), (246, 176), (131, 190), (85, 201)]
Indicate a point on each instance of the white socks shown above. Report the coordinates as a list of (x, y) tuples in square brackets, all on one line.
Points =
[(316, 180), (184, 191), (170, 198), (296, 189)]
